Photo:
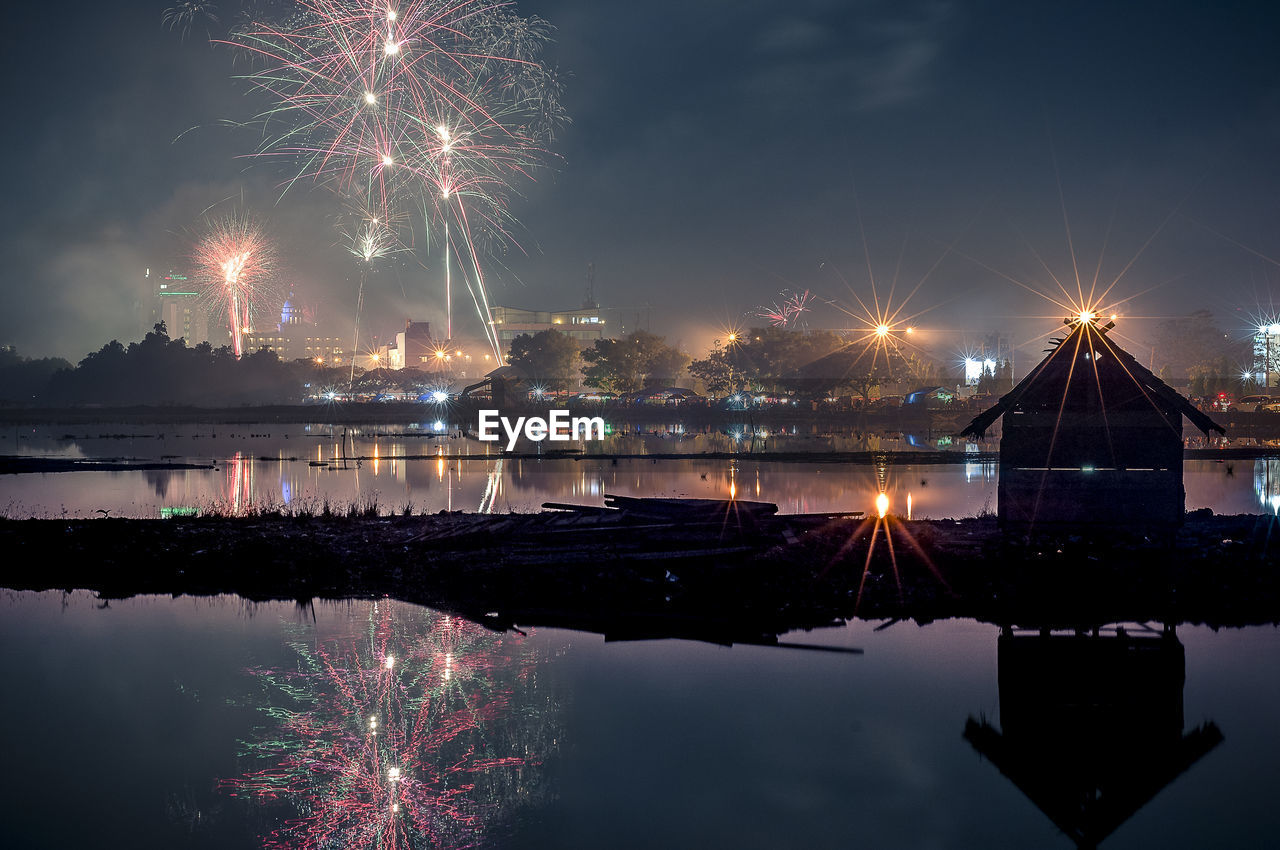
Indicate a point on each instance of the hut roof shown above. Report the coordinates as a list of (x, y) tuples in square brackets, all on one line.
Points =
[(1085, 367), (1069, 797)]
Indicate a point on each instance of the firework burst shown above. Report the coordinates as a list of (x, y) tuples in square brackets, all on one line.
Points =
[(440, 106), (235, 265), (786, 312)]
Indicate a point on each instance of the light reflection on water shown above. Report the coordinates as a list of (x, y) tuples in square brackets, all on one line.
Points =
[(215, 723), (302, 468)]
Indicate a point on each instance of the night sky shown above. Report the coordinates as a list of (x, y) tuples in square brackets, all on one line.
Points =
[(720, 152)]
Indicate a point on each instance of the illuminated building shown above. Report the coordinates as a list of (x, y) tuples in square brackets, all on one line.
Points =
[(1265, 370), (584, 325), (299, 337), (416, 348), (175, 301), (1091, 438), (417, 345)]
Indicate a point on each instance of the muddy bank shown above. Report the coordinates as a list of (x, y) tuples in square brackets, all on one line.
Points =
[(728, 577)]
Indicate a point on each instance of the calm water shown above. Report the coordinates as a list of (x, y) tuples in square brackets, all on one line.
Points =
[(300, 467), (160, 722)]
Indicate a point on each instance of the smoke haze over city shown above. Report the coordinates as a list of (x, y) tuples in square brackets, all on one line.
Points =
[(717, 153)]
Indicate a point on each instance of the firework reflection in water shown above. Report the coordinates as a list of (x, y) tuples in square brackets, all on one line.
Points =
[(410, 729)]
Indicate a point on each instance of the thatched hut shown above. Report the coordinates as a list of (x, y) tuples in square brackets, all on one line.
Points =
[(1091, 438)]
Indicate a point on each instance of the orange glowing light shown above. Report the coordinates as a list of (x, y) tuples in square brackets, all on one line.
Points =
[(882, 505)]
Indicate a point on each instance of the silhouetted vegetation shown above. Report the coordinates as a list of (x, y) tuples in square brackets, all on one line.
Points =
[(160, 370), (640, 359), (549, 357), (24, 379)]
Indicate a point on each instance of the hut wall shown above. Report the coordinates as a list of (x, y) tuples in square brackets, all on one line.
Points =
[(1123, 471)]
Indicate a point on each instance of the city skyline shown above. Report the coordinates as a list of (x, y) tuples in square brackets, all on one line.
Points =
[(716, 158)]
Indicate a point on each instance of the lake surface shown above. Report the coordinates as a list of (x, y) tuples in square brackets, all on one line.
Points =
[(301, 468), (158, 722)]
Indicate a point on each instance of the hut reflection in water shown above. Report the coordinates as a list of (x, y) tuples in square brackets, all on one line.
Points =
[(1091, 724)]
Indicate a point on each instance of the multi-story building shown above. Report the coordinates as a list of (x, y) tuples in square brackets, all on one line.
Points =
[(299, 337), (415, 348), (1266, 355), (585, 325), (176, 302)]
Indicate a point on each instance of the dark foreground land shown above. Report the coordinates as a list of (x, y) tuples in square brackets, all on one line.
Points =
[(711, 571)]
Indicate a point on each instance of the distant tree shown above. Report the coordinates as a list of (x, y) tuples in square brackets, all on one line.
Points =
[(864, 379), (549, 357), (998, 381), (24, 380), (715, 372), (640, 359), (1195, 343), (859, 367), (774, 359), (920, 371), (160, 370)]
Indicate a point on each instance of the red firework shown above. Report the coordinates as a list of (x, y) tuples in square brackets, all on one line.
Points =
[(235, 264)]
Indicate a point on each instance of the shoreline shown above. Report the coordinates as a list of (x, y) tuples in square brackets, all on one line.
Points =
[(27, 464), (736, 577)]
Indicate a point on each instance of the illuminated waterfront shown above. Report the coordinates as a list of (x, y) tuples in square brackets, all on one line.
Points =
[(301, 468)]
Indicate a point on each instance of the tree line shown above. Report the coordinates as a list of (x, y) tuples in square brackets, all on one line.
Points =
[(760, 360), (155, 370)]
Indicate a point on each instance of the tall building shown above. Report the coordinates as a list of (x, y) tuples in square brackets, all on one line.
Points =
[(1266, 355), (176, 302)]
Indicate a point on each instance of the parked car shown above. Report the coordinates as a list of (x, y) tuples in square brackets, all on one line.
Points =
[(1254, 403)]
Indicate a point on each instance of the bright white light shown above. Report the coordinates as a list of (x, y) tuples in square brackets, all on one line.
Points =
[(437, 426), (882, 505), (370, 98), (391, 661), (391, 48), (439, 396), (972, 371), (391, 14), (386, 159), (1087, 316), (1273, 330), (394, 774), (882, 330)]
